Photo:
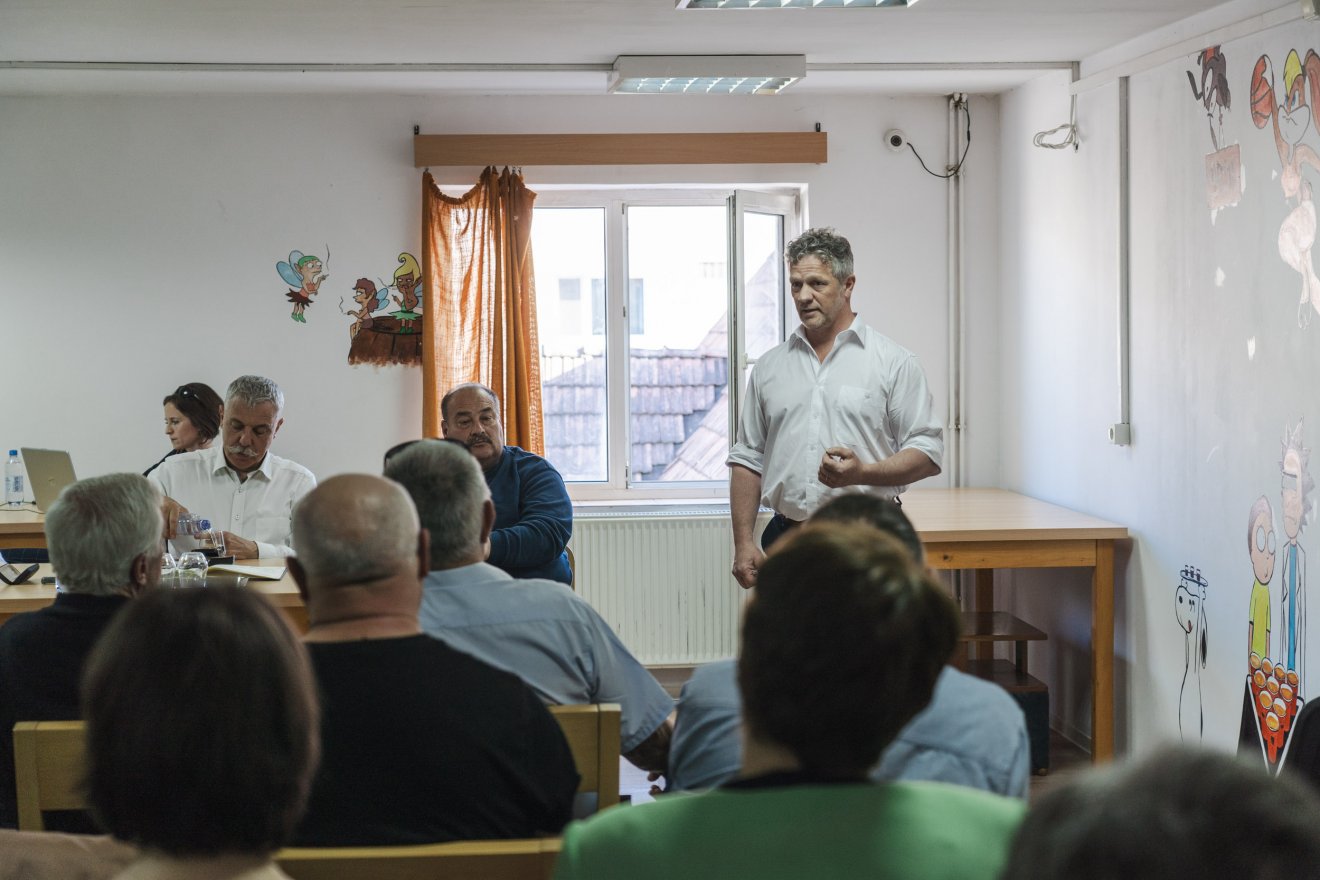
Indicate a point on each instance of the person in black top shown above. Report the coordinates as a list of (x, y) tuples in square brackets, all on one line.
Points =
[(420, 743), (104, 537), (192, 419)]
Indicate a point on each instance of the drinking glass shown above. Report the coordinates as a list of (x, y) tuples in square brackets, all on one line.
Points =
[(192, 569), (168, 565), (211, 542)]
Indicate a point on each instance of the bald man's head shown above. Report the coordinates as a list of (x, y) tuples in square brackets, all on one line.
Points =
[(355, 528)]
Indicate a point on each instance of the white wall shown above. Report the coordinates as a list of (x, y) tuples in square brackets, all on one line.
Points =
[(139, 236), (1219, 365)]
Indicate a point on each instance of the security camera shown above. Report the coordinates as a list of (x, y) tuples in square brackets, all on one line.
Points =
[(895, 139)]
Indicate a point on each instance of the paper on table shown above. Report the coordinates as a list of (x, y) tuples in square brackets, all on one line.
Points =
[(260, 572)]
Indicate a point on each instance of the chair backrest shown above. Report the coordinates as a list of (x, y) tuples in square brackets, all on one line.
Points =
[(592, 732), (572, 569), (48, 769), (48, 760), (468, 860)]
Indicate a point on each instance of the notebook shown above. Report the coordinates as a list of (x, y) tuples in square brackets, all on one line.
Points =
[(49, 471)]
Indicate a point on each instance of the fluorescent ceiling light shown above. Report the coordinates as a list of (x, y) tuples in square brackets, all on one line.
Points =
[(706, 74), (790, 4)]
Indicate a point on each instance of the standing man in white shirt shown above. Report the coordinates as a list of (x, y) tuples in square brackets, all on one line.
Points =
[(239, 484), (836, 405)]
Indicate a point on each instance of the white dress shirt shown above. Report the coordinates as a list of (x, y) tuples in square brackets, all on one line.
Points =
[(869, 395), (259, 509)]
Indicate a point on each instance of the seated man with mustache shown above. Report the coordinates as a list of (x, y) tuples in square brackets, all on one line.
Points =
[(533, 514), (240, 485)]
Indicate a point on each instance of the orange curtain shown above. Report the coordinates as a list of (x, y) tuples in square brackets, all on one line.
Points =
[(481, 301)]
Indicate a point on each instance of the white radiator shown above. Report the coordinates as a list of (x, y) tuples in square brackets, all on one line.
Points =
[(662, 582)]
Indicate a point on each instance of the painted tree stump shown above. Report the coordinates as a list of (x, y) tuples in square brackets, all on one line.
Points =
[(387, 341)]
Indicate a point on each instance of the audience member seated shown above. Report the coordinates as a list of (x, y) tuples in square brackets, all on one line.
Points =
[(842, 642), (533, 513), (241, 486), (538, 629), (104, 537), (420, 743), (192, 419), (972, 733), (201, 734), (1181, 812)]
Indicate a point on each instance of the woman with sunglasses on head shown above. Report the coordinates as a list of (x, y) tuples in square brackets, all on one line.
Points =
[(192, 419)]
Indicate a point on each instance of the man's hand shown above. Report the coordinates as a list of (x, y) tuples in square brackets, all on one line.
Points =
[(240, 548), (746, 562), (171, 509), (840, 466)]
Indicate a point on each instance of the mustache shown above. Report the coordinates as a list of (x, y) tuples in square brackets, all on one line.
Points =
[(479, 438), (247, 451)]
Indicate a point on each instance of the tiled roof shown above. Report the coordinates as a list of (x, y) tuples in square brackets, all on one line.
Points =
[(673, 391)]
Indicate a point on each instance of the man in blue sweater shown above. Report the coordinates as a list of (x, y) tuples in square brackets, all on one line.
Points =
[(533, 514)]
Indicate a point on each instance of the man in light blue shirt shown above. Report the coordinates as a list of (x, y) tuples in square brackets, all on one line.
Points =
[(537, 629), (972, 733)]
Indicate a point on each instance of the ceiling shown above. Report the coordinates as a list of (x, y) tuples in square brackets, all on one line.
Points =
[(539, 46)]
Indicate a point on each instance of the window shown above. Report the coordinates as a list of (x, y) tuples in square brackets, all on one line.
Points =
[(635, 386)]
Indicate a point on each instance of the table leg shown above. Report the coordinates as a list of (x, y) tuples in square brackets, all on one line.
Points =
[(985, 601), (1102, 653)]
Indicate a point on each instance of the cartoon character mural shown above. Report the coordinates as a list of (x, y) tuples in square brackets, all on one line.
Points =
[(1272, 699), (1297, 486), (393, 338), (369, 299), (1223, 166), (303, 273), (1189, 608), (1291, 116), (406, 279)]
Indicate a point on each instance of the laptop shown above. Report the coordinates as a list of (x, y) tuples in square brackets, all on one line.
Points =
[(49, 471)]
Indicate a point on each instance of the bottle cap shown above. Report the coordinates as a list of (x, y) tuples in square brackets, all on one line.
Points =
[(13, 452), (204, 524)]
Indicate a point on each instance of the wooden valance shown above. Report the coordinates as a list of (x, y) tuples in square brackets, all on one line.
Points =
[(727, 148)]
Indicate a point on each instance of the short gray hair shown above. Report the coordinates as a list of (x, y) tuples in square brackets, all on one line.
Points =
[(98, 526), (447, 486), (370, 537), (255, 390), (826, 245)]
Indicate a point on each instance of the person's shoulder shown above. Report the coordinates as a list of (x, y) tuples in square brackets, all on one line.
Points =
[(525, 461), (199, 460), (958, 691), (289, 465), (973, 805), (712, 680), (880, 344)]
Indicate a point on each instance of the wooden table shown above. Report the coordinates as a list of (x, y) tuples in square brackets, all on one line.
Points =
[(986, 529), (32, 595), (23, 527)]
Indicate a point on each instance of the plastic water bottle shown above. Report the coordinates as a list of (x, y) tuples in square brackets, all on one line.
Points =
[(14, 490)]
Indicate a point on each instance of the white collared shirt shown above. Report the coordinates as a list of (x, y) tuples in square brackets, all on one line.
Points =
[(869, 394), (259, 509)]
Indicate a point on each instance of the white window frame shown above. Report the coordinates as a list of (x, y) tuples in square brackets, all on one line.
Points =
[(784, 201)]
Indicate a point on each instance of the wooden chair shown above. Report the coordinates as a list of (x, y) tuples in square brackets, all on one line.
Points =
[(48, 760), (572, 569), (592, 732), (465, 860), (48, 767)]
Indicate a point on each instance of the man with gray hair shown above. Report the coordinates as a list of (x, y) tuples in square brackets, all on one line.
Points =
[(246, 491), (835, 408), (420, 743), (539, 629), (104, 540)]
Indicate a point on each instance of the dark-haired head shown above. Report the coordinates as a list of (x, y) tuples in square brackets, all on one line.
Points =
[(881, 513), (841, 645), (199, 404), (201, 724)]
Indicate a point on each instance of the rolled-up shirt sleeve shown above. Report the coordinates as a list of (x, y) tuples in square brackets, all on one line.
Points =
[(749, 450), (911, 417)]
